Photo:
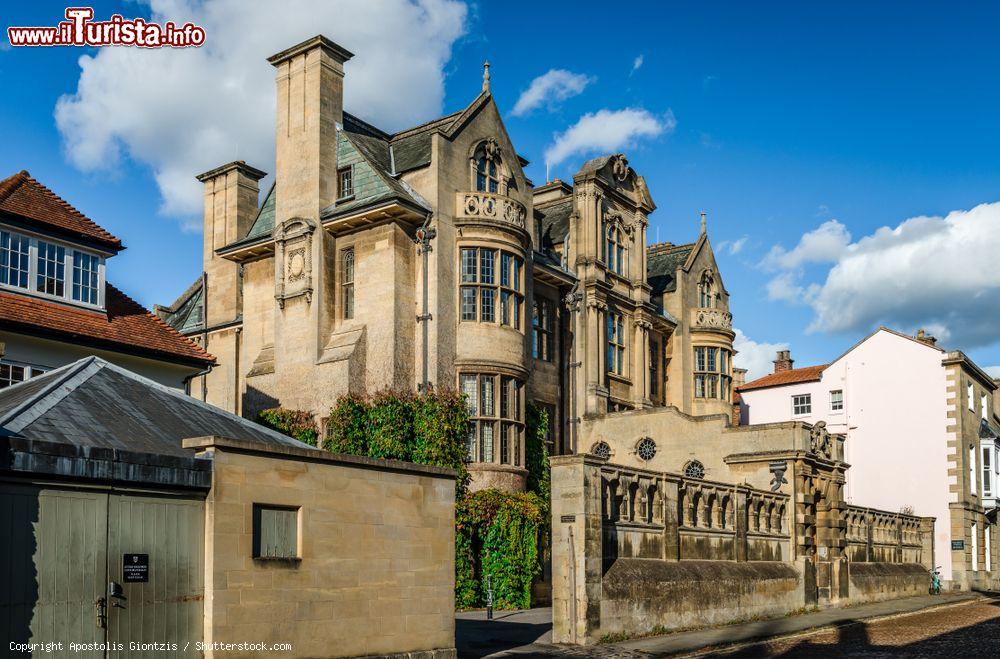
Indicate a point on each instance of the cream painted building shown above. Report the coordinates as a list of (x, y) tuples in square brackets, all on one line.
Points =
[(920, 427), (426, 257)]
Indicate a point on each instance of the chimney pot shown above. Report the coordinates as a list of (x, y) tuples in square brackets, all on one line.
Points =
[(924, 337)]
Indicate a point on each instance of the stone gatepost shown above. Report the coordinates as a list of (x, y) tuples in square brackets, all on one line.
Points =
[(577, 548), (927, 543)]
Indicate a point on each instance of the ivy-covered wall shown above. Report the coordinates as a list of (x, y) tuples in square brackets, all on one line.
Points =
[(497, 533)]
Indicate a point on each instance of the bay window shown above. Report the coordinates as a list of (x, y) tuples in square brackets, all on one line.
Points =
[(50, 269), (492, 286), (496, 417), (712, 374)]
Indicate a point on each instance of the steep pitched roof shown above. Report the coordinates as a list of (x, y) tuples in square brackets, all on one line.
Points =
[(662, 261), (187, 313), (554, 216), (125, 326), (96, 404), (30, 202), (791, 376)]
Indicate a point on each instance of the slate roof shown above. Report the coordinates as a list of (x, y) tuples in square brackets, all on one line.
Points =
[(187, 313), (661, 266), (791, 376), (124, 326), (105, 415), (554, 216), (27, 201)]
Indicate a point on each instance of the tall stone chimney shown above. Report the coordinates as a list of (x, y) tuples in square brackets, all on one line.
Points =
[(739, 377), (784, 361), (310, 104), (231, 193)]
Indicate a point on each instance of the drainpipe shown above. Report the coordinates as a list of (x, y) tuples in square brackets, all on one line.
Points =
[(424, 236)]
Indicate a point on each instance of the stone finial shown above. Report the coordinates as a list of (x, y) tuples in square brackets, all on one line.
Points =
[(486, 75), (704, 223)]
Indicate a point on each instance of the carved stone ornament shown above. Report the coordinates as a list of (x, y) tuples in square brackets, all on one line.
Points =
[(716, 318), (778, 469), (492, 149), (293, 259), (819, 440), (619, 167)]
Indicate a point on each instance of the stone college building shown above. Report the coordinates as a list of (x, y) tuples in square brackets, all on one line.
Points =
[(426, 257)]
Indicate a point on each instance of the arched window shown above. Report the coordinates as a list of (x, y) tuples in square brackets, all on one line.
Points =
[(601, 450), (645, 448), (487, 167), (706, 291), (615, 249)]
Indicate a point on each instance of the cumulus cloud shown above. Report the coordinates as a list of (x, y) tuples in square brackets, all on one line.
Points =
[(756, 357), (824, 244), (637, 64), (934, 272), (550, 89), (733, 247), (607, 131), (181, 112), (994, 371)]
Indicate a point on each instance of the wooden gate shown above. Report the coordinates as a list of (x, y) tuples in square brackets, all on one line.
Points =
[(62, 579)]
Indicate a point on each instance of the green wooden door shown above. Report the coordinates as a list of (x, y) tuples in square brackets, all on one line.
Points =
[(168, 608), (53, 567), (61, 551)]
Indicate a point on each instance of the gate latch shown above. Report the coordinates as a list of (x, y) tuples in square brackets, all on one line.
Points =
[(101, 605)]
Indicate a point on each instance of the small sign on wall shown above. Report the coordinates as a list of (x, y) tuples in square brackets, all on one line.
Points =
[(957, 544), (135, 568)]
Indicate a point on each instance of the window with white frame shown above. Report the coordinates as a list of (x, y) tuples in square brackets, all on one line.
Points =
[(801, 404), (986, 548), (970, 392), (50, 269), (975, 547), (616, 343), (496, 426), (14, 372), (837, 400), (987, 453), (492, 289), (984, 404), (972, 470)]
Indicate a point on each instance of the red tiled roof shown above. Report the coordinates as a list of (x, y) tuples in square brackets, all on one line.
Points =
[(24, 197), (126, 326), (791, 376)]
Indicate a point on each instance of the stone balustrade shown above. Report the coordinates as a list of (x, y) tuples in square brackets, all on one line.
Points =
[(705, 318), (491, 207), (879, 536)]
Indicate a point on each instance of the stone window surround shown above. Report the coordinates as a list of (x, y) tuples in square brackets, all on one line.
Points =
[(712, 372), (494, 447), (348, 267), (513, 289), (616, 343), (487, 152), (343, 246), (542, 339), (708, 296), (68, 269)]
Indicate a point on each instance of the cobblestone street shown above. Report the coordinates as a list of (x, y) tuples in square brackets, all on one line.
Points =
[(966, 630)]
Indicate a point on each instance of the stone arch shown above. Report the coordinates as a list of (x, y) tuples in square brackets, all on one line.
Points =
[(712, 510), (696, 509)]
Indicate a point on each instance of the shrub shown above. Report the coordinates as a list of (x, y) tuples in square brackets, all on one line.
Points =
[(298, 424), (390, 426), (347, 427)]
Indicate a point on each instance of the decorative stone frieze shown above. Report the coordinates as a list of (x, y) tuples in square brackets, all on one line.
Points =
[(712, 319), (293, 274), (489, 206)]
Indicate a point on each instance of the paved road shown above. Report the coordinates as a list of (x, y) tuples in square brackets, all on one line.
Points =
[(956, 626)]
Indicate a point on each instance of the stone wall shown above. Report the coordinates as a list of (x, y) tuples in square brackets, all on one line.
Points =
[(636, 550), (375, 567)]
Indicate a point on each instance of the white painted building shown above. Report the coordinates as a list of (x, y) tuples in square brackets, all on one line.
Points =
[(904, 405)]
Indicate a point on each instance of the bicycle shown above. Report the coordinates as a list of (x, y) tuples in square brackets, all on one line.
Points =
[(936, 581)]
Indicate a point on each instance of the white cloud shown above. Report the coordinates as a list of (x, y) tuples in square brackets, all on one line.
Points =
[(549, 89), (637, 63), (994, 371), (754, 356), (607, 131), (824, 244), (733, 247), (181, 112), (939, 273)]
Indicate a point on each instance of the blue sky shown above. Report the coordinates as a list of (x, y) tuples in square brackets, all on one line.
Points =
[(802, 129)]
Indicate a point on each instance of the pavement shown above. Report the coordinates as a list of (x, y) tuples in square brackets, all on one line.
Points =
[(952, 624)]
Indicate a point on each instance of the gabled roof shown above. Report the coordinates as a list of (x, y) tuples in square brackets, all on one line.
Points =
[(25, 200), (124, 326), (554, 216), (662, 262), (791, 376), (92, 402), (187, 313)]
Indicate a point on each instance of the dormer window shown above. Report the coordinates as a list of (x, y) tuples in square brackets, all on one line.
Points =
[(50, 269), (487, 167), (706, 291)]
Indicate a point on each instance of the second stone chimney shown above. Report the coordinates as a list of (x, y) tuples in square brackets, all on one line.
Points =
[(310, 107), (231, 193), (784, 361)]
